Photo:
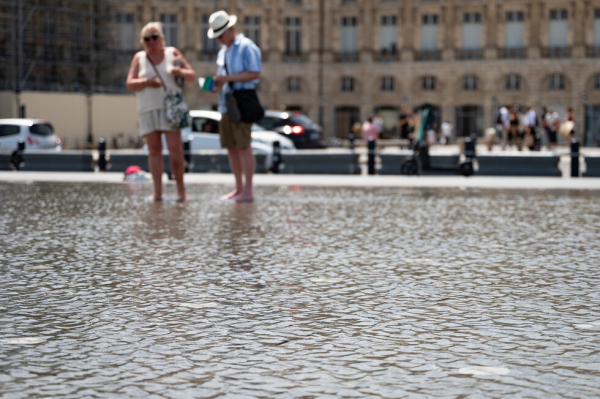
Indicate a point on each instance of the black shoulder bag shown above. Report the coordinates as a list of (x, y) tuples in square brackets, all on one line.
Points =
[(243, 105)]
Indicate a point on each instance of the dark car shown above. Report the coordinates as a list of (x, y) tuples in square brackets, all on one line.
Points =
[(296, 126)]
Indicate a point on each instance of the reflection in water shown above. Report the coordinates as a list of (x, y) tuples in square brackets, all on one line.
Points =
[(309, 292)]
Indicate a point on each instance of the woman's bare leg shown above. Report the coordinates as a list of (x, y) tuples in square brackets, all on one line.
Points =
[(155, 163), (175, 146)]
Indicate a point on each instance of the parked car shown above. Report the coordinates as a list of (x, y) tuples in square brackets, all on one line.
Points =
[(37, 134), (204, 132), (298, 127)]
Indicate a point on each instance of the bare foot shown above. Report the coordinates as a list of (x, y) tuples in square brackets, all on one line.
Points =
[(183, 198), (155, 198), (243, 198), (230, 195)]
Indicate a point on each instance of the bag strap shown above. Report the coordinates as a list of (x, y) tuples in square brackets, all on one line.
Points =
[(164, 86)]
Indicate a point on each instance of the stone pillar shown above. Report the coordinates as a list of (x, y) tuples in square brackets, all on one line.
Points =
[(409, 25), (189, 35), (367, 37), (491, 34), (535, 29), (447, 30), (578, 21)]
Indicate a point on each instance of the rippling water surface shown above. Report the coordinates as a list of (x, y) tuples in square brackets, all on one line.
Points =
[(309, 292)]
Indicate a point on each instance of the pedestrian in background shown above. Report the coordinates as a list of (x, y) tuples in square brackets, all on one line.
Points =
[(552, 126), (405, 124), (446, 132), (150, 73), (513, 130), (567, 129), (530, 123), (239, 67), (369, 130), (378, 122)]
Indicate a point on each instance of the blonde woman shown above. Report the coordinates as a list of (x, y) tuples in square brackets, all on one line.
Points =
[(150, 70)]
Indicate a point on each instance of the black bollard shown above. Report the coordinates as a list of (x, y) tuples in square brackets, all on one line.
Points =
[(187, 155), (351, 139), (470, 151), (16, 158), (276, 157), (574, 158), (371, 155), (102, 155)]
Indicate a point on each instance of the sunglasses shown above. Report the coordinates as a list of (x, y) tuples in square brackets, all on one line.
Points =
[(153, 37)]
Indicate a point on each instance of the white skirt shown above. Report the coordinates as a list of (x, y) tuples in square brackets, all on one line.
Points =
[(154, 121)]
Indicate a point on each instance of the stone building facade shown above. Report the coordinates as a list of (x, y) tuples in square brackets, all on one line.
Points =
[(342, 60)]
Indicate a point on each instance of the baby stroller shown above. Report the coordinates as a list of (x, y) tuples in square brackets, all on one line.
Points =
[(420, 160)]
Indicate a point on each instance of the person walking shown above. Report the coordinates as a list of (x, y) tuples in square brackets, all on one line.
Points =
[(552, 126), (567, 129), (446, 132), (513, 131), (369, 130), (530, 123), (378, 122), (239, 67), (150, 73)]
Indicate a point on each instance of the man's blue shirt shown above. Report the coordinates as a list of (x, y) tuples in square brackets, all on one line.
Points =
[(242, 56)]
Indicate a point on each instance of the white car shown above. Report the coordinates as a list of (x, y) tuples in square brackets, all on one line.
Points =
[(37, 134), (204, 135)]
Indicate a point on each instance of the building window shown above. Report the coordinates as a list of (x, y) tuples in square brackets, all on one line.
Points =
[(125, 30), (387, 83), (209, 46), (349, 35), (294, 84), (347, 84), (471, 31), (470, 83), (252, 28), (597, 81), (514, 30), (388, 35), (559, 28), (513, 82), (429, 32), (295, 1), (348, 1), (428, 83), (557, 81), (169, 22), (293, 36)]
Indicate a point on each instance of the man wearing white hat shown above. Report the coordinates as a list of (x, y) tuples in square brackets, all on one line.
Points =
[(239, 67)]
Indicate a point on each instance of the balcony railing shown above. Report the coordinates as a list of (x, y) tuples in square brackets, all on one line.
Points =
[(593, 51), (387, 55), (346, 57), (514, 53), (294, 57), (556, 52), (428, 55), (470, 54)]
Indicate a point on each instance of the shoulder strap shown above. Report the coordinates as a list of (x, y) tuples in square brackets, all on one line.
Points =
[(164, 86)]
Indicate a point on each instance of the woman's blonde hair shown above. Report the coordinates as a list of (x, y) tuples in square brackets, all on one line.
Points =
[(157, 26)]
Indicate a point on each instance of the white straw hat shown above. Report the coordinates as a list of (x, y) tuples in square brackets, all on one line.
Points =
[(219, 22)]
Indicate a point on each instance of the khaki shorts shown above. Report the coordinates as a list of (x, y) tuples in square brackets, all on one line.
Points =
[(234, 134)]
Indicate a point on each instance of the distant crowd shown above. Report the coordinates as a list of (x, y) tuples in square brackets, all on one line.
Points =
[(514, 128)]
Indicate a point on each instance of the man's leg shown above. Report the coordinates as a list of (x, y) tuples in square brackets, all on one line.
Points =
[(155, 162), (175, 147), (236, 168), (248, 165)]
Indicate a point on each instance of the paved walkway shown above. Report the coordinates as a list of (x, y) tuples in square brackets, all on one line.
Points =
[(538, 183)]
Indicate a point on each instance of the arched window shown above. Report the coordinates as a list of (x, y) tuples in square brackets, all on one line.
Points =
[(556, 81), (428, 83), (470, 82), (513, 82), (294, 84), (347, 84), (388, 83)]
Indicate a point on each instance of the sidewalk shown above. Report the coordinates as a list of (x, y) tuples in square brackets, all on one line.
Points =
[(487, 182)]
